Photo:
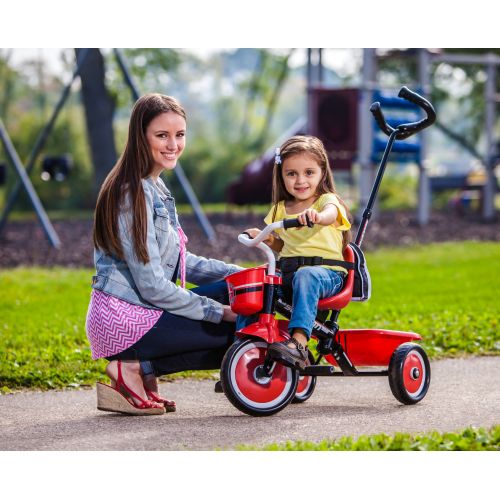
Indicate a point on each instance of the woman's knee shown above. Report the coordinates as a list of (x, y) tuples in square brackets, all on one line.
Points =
[(217, 291)]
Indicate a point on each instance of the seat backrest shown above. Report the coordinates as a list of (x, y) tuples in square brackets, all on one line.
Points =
[(342, 298)]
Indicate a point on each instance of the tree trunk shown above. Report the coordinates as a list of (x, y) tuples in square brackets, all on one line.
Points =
[(99, 110)]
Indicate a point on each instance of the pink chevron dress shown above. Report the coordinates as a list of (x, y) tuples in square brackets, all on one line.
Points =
[(114, 325)]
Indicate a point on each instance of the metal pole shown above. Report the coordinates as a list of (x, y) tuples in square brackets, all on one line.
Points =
[(320, 66), (126, 75), (41, 139), (309, 91), (365, 130), (424, 194), (490, 185), (179, 171), (316, 66), (367, 213), (491, 61), (207, 227), (25, 180), (467, 58)]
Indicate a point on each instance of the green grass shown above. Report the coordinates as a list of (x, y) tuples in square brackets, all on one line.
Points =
[(469, 439), (42, 329), (445, 292), (68, 214)]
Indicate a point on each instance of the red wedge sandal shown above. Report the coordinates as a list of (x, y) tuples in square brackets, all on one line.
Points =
[(121, 399), (169, 405)]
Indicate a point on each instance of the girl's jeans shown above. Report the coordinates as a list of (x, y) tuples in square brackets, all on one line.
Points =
[(311, 283)]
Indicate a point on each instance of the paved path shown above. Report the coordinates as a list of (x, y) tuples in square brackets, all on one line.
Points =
[(463, 392)]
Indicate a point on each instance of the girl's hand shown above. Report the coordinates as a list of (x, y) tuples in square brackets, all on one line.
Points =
[(326, 217), (228, 314), (314, 216)]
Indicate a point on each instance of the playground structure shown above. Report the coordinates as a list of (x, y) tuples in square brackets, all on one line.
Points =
[(23, 171), (352, 140), (338, 116)]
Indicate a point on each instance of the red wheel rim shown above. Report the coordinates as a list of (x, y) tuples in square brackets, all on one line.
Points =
[(413, 372), (303, 385), (260, 393)]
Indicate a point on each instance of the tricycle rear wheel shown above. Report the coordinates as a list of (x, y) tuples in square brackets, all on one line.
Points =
[(306, 385), (409, 373)]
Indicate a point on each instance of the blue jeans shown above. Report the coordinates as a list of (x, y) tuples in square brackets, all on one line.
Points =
[(311, 283)]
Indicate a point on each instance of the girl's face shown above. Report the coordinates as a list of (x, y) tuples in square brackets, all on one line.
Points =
[(166, 136), (302, 175)]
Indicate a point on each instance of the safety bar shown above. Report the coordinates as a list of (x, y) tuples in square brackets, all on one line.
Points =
[(405, 130)]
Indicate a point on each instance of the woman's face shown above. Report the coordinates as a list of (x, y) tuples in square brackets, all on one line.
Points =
[(166, 136)]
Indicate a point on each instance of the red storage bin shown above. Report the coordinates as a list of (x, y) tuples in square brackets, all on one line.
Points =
[(246, 290)]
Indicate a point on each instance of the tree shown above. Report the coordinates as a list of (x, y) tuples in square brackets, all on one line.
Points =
[(7, 77), (99, 109)]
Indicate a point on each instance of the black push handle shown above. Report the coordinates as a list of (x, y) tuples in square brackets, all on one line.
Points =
[(423, 103), (406, 130), (289, 223), (377, 113)]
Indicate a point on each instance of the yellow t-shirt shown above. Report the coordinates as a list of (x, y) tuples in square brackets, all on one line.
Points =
[(317, 241)]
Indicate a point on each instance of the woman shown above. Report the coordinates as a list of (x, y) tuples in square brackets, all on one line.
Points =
[(138, 318)]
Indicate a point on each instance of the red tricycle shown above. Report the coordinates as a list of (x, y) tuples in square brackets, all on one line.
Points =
[(259, 386)]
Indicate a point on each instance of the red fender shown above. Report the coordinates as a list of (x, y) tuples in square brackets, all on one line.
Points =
[(268, 328)]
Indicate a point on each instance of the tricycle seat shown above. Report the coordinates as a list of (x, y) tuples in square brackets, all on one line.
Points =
[(342, 298)]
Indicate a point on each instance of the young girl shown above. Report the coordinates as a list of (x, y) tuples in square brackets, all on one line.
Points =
[(303, 187)]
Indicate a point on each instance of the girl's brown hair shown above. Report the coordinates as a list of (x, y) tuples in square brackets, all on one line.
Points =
[(134, 165), (312, 146)]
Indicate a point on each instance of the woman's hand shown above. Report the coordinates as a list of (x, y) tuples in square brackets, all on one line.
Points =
[(272, 240), (253, 232), (228, 314)]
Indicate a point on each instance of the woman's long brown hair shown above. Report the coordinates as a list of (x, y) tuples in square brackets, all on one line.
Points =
[(125, 177), (313, 146)]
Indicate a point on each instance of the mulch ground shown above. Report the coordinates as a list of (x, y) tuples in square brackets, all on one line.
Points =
[(25, 244)]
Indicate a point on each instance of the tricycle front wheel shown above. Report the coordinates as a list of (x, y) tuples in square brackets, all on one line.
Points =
[(248, 388), (409, 373)]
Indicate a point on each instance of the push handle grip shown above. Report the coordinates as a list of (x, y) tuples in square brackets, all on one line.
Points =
[(377, 113), (423, 103), (409, 95)]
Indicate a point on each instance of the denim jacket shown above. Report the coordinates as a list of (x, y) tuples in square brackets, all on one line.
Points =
[(150, 285)]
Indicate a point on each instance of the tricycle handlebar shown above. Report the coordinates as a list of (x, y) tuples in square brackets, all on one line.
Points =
[(258, 241)]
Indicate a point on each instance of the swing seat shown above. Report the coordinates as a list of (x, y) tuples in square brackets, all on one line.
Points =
[(341, 299)]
